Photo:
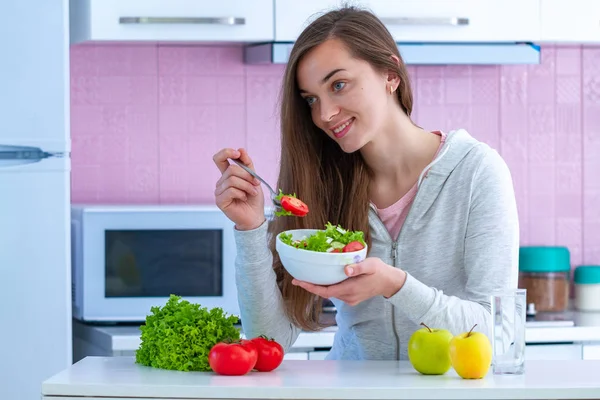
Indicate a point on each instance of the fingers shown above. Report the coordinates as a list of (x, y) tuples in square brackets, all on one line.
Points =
[(235, 171), (236, 182), (220, 158), (221, 161), (365, 267), (245, 158), (229, 196)]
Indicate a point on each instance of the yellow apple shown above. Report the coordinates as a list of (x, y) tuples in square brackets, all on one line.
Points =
[(428, 350), (471, 354)]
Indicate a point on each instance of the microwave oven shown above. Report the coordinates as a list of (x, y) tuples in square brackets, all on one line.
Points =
[(127, 259)]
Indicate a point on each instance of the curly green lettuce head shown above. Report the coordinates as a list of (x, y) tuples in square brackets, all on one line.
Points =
[(179, 335)]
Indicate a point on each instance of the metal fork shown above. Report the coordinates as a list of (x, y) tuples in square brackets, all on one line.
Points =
[(276, 202)]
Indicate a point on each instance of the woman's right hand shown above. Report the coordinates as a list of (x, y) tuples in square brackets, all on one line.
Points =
[(238, 194)]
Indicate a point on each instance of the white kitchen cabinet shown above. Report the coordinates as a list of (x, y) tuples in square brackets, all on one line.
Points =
[(317, 355), (300, 355), (591, 351), (171, 21), (427, 20), (574, 21)]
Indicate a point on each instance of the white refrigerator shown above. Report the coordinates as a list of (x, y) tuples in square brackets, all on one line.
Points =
[(35, 277)]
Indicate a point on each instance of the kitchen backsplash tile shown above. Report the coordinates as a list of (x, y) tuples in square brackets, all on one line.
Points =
[(147, 119)]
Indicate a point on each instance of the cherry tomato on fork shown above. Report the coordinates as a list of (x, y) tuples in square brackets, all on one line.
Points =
[(294, 205)]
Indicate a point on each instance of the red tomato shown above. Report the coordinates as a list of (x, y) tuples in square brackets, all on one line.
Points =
[(270, 354), (294, 205), (336, 250), (251, 346), (353, 246), (236, 358)]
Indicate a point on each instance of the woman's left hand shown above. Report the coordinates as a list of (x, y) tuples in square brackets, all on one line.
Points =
[(369, 278)]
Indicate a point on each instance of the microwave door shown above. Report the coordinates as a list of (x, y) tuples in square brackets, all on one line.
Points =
[(157, 263)]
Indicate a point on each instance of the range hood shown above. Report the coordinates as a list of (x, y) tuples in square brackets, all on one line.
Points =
[(421, 53)]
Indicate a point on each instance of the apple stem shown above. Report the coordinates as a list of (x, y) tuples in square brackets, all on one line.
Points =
[(469, 334), (426, 326)]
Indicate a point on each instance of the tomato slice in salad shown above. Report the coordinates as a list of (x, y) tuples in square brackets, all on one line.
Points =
[(353, 246), (294, 205)]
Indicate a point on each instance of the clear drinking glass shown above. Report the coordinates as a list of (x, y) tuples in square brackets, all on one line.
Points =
[(508, 331)]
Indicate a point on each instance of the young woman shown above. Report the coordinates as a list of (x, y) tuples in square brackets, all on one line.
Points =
[(438, 209)]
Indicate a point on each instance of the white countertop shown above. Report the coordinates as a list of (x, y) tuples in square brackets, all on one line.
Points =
[(586, 328), (120, 377)]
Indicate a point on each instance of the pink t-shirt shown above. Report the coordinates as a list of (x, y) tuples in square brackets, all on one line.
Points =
[(393, 217)]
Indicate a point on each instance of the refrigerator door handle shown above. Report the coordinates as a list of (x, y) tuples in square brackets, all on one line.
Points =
[(21, 155)]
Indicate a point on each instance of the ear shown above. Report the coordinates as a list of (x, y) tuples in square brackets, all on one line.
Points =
[(393, 80), (392, 77)]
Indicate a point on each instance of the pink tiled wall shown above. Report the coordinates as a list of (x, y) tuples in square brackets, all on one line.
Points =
[(147, 119)]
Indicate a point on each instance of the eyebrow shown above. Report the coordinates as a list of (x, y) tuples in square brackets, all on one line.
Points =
[(327, 77)]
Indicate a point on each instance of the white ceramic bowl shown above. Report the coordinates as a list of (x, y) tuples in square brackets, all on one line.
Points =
[(315, 267)]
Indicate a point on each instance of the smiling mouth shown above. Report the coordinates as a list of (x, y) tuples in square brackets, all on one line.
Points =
[(342, 129)]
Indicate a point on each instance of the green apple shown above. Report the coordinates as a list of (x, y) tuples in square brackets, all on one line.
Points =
[(429, 350)]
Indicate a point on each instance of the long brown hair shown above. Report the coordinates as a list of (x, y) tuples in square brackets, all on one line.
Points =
[(332, 183)]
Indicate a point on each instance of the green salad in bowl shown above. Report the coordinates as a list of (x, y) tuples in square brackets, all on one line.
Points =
[(319, 256), (334, 239)]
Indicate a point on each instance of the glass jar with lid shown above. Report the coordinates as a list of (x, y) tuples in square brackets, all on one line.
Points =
[(587, 287), (545, 272)]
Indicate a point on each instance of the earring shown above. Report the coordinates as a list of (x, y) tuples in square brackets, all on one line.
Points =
[(391, 90)]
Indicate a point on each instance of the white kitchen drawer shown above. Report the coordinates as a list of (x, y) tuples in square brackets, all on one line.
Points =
[(554, 352), (428, 20), (172, 20), (576, 21)]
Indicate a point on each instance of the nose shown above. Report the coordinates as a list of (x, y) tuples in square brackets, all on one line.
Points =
[(328, 109)]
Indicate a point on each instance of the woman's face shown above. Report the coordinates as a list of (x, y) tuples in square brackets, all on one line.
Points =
[(349, 100)]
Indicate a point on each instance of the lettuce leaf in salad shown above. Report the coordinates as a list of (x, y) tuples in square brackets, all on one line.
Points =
[(334, 236), (283, 213)]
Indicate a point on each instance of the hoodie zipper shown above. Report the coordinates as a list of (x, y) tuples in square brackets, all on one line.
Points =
[(394, 253)]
